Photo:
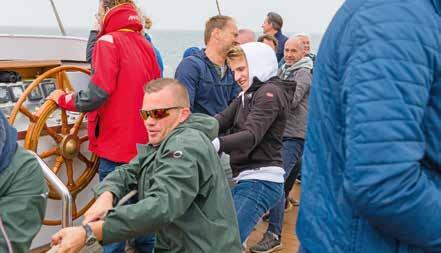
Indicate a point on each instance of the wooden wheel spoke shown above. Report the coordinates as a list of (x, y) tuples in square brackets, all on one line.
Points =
[(70, 174), (53, 133), (76, 128), (86, 207), (84, 139), (58, 162), (74, 207), (60, 80), (28, 114), (64, 124), (84, 159), (48, 153)]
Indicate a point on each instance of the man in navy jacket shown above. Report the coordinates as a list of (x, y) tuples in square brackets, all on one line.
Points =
[(209, 81), (272, 25)]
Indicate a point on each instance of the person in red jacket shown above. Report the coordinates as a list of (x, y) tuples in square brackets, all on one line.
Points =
[(123, 62)]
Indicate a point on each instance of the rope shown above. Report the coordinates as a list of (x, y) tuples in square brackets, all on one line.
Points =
[(5, 235), (126, 198)]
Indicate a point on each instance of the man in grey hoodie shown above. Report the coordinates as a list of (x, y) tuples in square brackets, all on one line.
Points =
[(297, 68)]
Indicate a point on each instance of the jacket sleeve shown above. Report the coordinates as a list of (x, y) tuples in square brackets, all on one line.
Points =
[(160, 60), (303, 81), (188, 74), (84, 100), (93, 35), (265, 109), (171, 190), (121, 181), (386, 87), (226, 118)]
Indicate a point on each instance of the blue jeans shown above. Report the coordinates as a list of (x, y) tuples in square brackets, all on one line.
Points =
[(252, 198), (292, 152), (106, 167), (143, 244)]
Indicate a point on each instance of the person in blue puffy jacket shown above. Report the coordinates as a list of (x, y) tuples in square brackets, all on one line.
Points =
[(371, 176)]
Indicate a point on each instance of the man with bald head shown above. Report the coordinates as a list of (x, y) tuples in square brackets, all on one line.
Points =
[(297, 68), (245, 36), (184, 197)]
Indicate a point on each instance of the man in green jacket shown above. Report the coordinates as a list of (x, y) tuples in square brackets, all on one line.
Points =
[(23, 192), (184, 197)]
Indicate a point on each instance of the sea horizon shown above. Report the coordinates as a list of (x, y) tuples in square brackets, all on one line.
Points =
[(164, 39)]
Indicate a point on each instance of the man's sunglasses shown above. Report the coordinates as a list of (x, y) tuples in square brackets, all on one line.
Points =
[(157, 113)]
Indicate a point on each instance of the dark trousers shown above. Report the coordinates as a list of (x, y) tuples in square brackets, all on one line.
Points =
[(291, 179)]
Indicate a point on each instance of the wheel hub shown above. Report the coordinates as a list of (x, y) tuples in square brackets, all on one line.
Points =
[(70, 146)]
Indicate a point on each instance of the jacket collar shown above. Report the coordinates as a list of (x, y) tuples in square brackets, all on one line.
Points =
[(255, 85), (278, 35), (201, 122), (121, 17), (285, 71), (145, 154)]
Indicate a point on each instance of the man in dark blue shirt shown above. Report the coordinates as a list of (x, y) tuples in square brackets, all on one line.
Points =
[(273, 26)]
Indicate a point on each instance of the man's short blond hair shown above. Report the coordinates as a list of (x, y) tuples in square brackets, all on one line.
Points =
[(219, 22), (235, 52), (180, 92)]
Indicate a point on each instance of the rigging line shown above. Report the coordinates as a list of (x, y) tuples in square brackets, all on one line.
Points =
[(218, 7)]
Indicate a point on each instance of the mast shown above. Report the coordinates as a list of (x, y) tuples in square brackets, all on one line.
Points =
[(218, 7), (60, 24)]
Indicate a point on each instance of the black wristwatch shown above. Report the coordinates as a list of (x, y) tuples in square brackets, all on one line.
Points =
[(90, 236)]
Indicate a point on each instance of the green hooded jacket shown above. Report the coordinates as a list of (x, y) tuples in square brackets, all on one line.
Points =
[(184, 197), (23, 197)]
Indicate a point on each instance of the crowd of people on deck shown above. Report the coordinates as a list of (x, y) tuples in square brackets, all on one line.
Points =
[(218, 148)]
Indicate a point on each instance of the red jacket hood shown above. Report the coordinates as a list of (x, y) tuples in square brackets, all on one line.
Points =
[(123, 16)]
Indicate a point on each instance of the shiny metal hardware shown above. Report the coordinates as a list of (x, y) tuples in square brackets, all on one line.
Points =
[(61, 189)]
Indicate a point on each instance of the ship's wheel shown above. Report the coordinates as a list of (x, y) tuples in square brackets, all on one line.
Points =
[(65, 149)]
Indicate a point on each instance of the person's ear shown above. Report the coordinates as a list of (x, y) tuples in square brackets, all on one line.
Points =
[(216, 34), (184, 114)]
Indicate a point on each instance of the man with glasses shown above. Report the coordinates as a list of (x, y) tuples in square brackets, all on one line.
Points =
[(183, 193)]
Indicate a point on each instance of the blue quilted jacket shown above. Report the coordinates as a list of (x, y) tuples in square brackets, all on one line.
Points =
[(371, 179)]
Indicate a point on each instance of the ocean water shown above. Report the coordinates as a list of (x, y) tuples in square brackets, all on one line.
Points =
[(171, 43)]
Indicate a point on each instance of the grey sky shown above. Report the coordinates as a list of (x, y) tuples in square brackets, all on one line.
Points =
[(311, 16)]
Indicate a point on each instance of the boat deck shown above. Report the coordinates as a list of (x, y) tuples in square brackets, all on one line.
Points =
[(289, 238)]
